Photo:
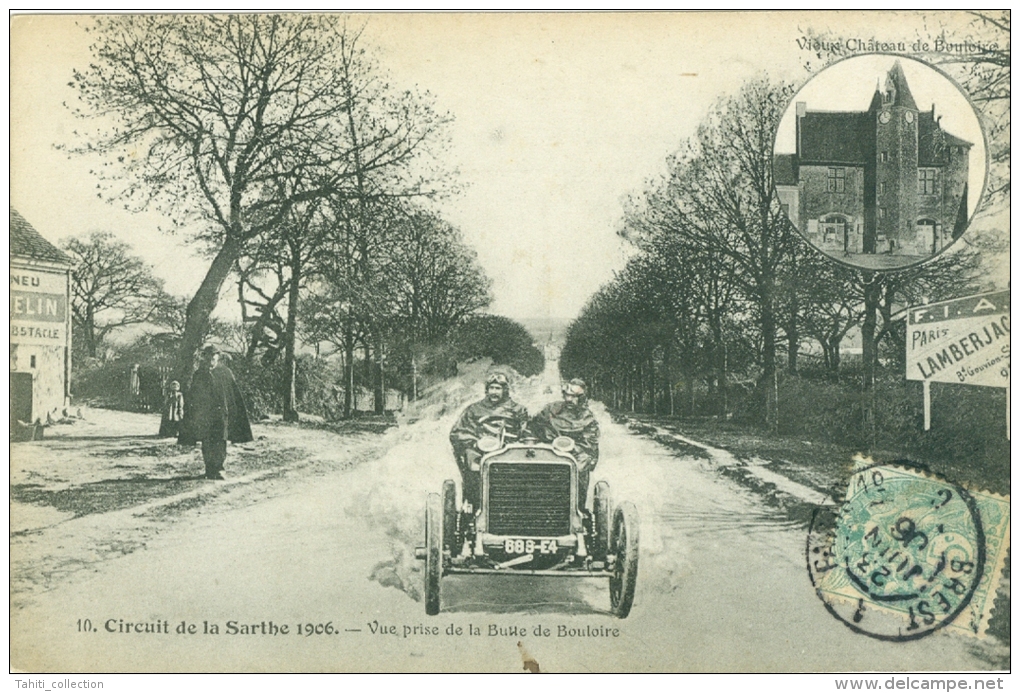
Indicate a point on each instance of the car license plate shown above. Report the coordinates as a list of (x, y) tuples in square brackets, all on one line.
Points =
[(530, 546)]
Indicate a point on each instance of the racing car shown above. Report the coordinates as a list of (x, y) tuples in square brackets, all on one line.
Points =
[(531, 522)]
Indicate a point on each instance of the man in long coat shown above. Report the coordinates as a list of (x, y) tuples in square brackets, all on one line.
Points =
[(496, 415), (571, 417), (214, 412)]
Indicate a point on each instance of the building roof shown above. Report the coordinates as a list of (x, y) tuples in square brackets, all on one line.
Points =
[(26, 242), (933, 142), (898, 83), (784, 170), (848, 137), (954, 141), (836, 137)]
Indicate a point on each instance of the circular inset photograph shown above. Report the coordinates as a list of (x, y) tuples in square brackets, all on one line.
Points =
[(880, 161)]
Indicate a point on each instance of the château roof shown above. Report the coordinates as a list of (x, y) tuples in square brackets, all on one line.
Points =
[(26, 242), (898, 81), (933, 142), (848, 137), (837, 137)]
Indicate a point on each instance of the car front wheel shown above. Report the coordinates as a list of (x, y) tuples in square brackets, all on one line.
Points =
[(433, 552), (624, 540), (603, 508)]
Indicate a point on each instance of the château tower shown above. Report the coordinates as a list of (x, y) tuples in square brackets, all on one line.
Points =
[(896, 118)]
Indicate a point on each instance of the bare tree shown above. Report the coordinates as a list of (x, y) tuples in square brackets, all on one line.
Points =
[(348, 300), (831, 304), (720, 196), (238, 118), (978, 55), (394, 277), (433, 278), (111, 287)]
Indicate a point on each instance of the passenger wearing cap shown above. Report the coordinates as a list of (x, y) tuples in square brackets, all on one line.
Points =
[(496, 415), (571, 417), (215, 412)]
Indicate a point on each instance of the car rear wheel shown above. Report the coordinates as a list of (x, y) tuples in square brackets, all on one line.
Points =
[(603, 507), (450, 542), (625, 545), (433, 552)]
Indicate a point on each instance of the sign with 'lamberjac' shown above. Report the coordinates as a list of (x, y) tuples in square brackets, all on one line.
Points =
[(965, 340)]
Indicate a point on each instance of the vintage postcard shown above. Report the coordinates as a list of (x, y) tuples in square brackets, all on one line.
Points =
[(510, 342)]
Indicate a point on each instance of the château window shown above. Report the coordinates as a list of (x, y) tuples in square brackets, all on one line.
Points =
[(885, 157), (881, 212), (927, 181), (837, 179), (881, 188)]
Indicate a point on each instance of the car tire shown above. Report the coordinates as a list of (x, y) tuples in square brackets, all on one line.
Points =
[(433, 552), (624, 544), (602, 510), (450, 539)]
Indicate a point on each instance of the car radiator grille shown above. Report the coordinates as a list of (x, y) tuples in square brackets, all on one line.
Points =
[(529, 499)]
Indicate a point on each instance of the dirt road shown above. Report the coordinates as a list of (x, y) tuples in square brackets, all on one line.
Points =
[(722, 583)]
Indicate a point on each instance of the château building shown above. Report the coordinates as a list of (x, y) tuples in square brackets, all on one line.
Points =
[(886, 180)]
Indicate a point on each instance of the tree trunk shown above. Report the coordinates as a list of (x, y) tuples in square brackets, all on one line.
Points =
[(690, 389), (720, 359), (793, 342), (667, 367), (369, 372), (652, 385), (290, 412), (723, 387), (259, 328), (90, 332), (379, 383), (349, 372), (414, 377), (869, 351), (869, 355), (832, 355), (768, 333), (201, 307)]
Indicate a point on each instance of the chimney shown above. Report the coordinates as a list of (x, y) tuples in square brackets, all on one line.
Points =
[(801, 109)]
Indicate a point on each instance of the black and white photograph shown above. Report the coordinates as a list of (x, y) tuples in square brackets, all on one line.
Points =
[(510, 342), (888, 184)]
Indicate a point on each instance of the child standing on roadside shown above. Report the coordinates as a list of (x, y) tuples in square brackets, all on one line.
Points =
[(173, 411)]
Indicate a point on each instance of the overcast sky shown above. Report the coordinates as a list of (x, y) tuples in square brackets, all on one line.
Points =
[(558, 119)]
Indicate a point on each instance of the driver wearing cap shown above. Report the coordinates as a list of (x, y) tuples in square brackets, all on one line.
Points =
[(571, 417), (496, 415)]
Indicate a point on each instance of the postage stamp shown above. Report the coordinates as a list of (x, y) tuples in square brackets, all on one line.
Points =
[(908, 553)]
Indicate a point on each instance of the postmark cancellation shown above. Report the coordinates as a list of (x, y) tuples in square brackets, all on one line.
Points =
[(908, 553)]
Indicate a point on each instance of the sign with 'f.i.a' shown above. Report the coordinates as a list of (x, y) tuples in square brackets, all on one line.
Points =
[(965, 340)]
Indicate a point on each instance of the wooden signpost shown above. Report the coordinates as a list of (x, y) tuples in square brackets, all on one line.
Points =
[(965, 340)]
